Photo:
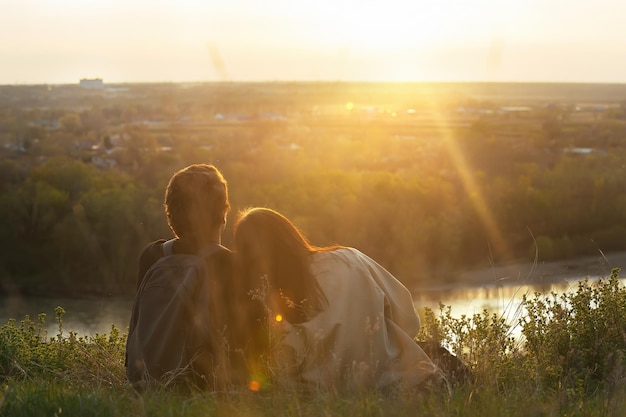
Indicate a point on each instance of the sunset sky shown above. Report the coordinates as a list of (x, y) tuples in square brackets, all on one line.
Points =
[(61, 41)]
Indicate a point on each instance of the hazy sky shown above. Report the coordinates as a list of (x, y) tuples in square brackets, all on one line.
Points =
[(61, 41)]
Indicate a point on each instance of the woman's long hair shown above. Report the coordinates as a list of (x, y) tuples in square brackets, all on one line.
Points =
[(270, 245)]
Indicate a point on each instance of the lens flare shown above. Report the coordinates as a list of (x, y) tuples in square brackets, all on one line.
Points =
[(279, 317), (474, 191), (254, 385)]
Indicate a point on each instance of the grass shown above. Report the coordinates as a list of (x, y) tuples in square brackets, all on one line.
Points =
[(570, 360)]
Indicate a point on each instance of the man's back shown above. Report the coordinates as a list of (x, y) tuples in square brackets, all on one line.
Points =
[(180, 320)]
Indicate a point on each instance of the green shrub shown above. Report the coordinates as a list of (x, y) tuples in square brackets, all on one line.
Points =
[(484, 342), (577, 340), (26, 352)]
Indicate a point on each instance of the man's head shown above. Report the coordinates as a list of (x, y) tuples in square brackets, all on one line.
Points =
[(196, 202)]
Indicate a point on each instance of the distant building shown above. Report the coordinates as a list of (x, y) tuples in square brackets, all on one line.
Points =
[(92, 83), (516, 109), (580, 151)]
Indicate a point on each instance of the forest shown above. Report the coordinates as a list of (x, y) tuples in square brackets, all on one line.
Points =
[(429, 180)]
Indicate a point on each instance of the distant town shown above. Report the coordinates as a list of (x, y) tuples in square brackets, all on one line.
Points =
[(102, 118)]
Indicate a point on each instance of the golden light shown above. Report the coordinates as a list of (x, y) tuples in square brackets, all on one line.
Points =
[(254, 385), (403, 40), (349, 106), (405, 27), (473, 190), (278, 317)]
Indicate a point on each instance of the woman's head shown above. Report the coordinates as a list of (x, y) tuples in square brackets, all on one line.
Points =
[(196, 201), (262, 234), (270, 245)]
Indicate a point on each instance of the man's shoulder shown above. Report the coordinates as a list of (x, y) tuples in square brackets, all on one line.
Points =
[(222, 262), (153, 250), (149, 255)]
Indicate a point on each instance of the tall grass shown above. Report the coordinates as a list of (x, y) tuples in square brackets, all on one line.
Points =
[(567, 356)]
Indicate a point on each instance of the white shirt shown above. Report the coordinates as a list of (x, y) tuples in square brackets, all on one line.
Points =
[(363, 338)]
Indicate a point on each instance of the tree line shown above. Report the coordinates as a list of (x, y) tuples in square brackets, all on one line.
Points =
[(424, 202), (424, 210)]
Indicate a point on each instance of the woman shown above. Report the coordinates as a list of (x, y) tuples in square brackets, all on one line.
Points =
[(343, 321)]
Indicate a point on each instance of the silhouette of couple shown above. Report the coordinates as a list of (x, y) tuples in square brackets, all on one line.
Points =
[(280, 310)]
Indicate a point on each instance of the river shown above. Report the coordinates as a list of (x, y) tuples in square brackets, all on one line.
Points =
[(88, 316), (498, 289), (85, 316)]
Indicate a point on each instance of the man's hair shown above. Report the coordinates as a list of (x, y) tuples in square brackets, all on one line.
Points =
[(196, 200)]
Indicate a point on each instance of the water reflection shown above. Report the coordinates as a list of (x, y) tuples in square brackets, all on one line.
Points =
[(502, 300), (86, 316), (96, 315), (495, 298)]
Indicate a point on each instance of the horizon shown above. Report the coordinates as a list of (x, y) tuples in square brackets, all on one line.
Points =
[(192, 82), (451, 41)]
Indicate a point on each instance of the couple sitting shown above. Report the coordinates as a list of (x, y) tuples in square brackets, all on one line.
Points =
[(277, 310)]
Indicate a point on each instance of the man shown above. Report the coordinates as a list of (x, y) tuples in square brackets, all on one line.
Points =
[(183, 319), (196, 206)]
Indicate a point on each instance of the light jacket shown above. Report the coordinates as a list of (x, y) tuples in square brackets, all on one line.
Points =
[(363, 338)]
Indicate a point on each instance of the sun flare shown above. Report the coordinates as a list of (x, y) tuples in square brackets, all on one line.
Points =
[(413, 25)]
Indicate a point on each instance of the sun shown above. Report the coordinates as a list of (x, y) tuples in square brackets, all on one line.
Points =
[(375, 27), (416, 24)]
